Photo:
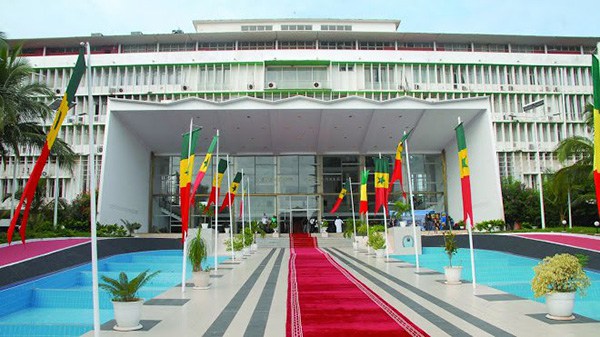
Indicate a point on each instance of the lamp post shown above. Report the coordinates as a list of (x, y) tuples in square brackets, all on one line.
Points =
[(564, 223), (596, 224)]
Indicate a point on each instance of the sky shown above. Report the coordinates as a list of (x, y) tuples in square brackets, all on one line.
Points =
[(64, 18)]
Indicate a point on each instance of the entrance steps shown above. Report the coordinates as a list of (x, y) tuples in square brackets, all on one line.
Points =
[(334, 240)]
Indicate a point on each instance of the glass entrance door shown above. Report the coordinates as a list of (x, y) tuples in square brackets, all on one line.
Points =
[(295, 211)]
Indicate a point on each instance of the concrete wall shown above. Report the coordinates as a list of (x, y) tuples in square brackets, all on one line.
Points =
[(486, 193), (126, 176)]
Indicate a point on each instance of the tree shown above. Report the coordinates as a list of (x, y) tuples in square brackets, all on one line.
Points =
[(521, 204), (22, 109)]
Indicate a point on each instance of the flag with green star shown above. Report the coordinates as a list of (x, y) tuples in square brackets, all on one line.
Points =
[(465, 173), (382, 183), (217, 179), (203, 168), (232, 191)]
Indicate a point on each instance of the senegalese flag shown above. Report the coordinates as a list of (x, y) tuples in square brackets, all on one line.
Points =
[(214, 192), (465, 180), (382, 183), (203, 168), (397, 173), (364, 205), (596, 81), (61, 113), (235, 185), (186, 165), (345, 189)]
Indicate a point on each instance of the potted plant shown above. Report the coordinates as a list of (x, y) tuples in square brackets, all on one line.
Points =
[(324, 226), (256, 229), (131, 226), (452, 273), (207, 214), (400, 208), (126, 303), (197, 254), (236, 245), (377, 242), (558, 278), (248, 239)]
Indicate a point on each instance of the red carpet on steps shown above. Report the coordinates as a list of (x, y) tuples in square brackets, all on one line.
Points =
[(326, 300)]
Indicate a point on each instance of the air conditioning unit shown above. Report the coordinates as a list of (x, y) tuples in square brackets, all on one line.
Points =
[(57, 91), (272, 85), (511, 88), (112, 90), (250, 86), (184, 87), (548, 88), (70, 119), (79, 119), (465, 88), (417, 87), (555, 89), (317, 85), (401, 87), (501, 88), (99, 149), (550, 118), (532, 147)]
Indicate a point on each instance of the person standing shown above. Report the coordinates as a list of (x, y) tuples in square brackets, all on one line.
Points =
[(338, 224)]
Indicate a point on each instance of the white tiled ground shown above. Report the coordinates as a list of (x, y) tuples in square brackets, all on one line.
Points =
[(436, 308)]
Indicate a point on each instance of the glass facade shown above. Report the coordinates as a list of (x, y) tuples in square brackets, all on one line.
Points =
[(292, 188)]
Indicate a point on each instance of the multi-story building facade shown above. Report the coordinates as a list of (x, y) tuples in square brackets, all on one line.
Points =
[(326, 61)]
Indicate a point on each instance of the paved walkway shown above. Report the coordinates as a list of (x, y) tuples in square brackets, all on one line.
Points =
[(18, 252), (250, 300)]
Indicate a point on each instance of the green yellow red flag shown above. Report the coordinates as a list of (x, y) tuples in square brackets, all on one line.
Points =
[(203, 168), (382, 183), (465, 174), (397, 173), (214, 192), (343, 192), (596, 82), (61, 113), (364, 205), (235, 185), (186, 165)]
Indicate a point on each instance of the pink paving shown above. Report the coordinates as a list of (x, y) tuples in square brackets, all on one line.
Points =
[(572, 240), (18, 252)]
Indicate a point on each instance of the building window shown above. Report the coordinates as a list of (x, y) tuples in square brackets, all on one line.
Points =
[(297, 45), (296, 27), (170, 47), (292, 77), (337, 45), (346, 67), (138, 48), (415, 46), (454, 47), (256, 45), (256, 28), (216, 46), (377, 46), (336, 27), (493, 48)]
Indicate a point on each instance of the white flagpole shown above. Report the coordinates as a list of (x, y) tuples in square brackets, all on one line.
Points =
[(412, 203), (242, 213), (474, 282), (92, 185), (387, 247), (215, 175), (249, 212), (230, 209), (184, 235), (353, 215), (367, 220), (56, 171)]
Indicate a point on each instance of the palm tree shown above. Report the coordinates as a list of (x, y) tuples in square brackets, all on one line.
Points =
[(22, 109)]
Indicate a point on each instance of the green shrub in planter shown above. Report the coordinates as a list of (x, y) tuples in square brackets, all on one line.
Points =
[(450, 246), (376, 240), (238, 243), (562, 273), (124, 290)]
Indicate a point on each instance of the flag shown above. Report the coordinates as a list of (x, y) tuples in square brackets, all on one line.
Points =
[(397, 173), (232, 191), (364, 206), (382, 183), (596, 81), (203, 168), (214, 192), (465, 180), (341, 196), (61, 113), (186, 165)]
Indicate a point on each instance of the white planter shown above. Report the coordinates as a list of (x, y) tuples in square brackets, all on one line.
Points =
[(453, 274), (355, 245), (204, 226), (403, 223), (201, 280), (238, 254), (560, 306), (254, 247), (275, 234), (128, 315), (380, 252), (324, 234), (227, 230), (246, 251)]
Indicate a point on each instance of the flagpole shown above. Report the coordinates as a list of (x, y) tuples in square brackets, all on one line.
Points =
[(387, 247), (469, 230), (230, 211), (367, 220), (412, 203), (242, 214), (353, 215), (184, 233), (92, 184), (215, 175), (249, 212), (55, 220)]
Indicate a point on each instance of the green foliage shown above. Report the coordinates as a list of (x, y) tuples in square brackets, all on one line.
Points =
[(123, 290), (400, 208), (349, 228), (559, 273), (197, 251), (376, 240), (110, 230), (324, 223), (376, 228), (489, 225), (450, 246), (248, 236), (521, 204), (131, 226), (238, 243)]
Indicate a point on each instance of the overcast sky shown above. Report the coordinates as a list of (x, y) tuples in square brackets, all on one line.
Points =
[(59, 18)]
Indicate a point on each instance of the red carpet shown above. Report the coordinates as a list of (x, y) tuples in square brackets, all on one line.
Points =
[(18, 252), (326, 300), (573, 240)]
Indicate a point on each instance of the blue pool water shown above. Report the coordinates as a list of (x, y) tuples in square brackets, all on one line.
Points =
[(505, 272), (61, 304)]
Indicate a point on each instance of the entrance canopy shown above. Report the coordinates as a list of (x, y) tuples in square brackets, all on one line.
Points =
[(298, 125), (137, 130)]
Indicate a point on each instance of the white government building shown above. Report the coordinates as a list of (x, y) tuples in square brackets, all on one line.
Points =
[(302, 104)]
